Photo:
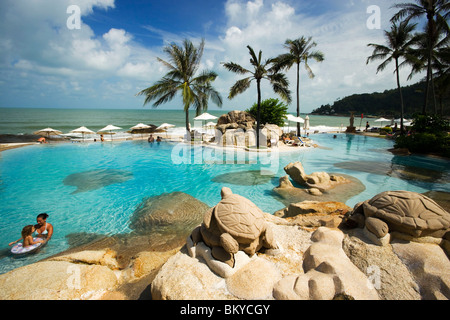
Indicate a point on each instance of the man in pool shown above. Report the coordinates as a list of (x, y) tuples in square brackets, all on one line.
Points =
[(43, 229)]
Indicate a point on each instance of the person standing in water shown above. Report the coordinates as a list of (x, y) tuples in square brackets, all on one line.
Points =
[(43, 229)]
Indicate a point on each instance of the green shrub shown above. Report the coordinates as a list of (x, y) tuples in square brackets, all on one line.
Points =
[(272, 111), (425, 143)]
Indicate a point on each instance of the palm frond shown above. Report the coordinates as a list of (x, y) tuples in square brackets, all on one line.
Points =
[(239, 87), (236, 68)]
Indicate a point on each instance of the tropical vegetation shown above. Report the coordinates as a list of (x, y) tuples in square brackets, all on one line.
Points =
[(196, 89), (262, 70), (399, 45), (300, 51), (272, 111), (436, 12), (429, 134), (385, 103)]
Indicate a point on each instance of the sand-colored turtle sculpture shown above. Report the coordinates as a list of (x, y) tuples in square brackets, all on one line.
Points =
[(234, 224), (406, 212)]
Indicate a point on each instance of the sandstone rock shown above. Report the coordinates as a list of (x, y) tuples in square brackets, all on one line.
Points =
[(185, 278), (314, 214), (56, 280), (254, 281), (237, 117), (234, 224), (328, 272), (386, 271), (147, 262), (429, 266), (401, 212), (316, 208), (339, 189), (168, 209), (105, 257)]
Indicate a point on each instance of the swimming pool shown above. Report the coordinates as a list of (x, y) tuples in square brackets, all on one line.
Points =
[(95, 188)]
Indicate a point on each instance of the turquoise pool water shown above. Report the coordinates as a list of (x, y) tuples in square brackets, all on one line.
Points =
[(95, 188)]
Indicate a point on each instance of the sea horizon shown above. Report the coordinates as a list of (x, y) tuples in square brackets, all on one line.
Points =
[(28, 120)]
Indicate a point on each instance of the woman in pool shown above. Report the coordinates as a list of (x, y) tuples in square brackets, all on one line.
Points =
[(44, 229), (27, 237)]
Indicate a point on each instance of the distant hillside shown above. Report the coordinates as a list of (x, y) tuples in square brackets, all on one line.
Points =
[(386, 103)]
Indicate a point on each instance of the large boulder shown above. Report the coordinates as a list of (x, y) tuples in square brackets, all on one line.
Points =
[(235, 120), (317, 180), (404, 213), (234, 224), (340, 189), (168, 210), (329, 273)]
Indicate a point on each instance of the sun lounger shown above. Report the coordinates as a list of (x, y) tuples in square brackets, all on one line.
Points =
[(287, 141)]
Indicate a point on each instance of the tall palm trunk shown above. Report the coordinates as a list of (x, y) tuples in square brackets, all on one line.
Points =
[(401, 96), (188, 131), (430, 41), (258, 115), (298, 98)]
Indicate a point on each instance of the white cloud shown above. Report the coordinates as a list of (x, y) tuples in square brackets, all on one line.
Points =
[(39, 54), (341, 34)]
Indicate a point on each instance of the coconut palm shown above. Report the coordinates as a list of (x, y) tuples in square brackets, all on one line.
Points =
[(399, 43), (196, 90), (300, 50), (437, 12), (439, 60), (262, 70)]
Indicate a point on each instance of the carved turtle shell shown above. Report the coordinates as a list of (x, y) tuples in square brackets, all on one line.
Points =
[(407, 211), (239, 217)]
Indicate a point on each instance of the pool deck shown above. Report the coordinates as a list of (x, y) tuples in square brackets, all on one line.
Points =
[(175, 138), (7, 146)]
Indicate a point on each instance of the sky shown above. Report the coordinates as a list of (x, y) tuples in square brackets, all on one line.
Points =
[(112, 54)]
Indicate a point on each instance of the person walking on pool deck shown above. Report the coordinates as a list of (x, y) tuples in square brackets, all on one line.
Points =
[(44, 229), (27, 237)]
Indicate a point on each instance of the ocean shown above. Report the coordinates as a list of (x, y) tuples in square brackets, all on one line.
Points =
[(29, 120)]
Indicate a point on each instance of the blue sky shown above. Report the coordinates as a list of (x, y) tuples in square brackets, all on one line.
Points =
[(113, 55)]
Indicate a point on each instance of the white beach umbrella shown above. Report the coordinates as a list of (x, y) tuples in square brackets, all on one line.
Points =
[(292, 118), (382, 120), (109, 128), (205, 117), (165, 126), (140, 126), (48, 132), (83, 131)]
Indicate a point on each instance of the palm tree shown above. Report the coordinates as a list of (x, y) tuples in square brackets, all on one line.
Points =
[(262, 70), (439, 54), (183, 65), (399, 42), (436, 12), (299, 51)]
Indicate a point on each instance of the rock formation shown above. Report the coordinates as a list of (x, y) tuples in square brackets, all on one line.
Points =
[(234, 224), (235, 120), (329, 273), (166, 210), (411, 214), (318, 186), (309, 262)]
